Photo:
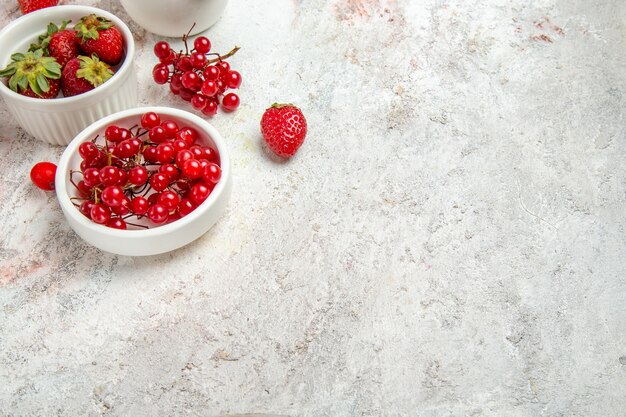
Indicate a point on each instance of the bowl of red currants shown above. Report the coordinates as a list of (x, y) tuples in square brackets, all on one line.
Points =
[(144, 181)]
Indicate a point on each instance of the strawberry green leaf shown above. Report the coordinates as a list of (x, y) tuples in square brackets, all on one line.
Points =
[(42, 82), (8, 71), (13, 83), (17, 57), (32, 83)]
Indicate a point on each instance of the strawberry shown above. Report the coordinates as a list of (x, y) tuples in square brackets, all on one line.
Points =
[(97, 35), (58, 42), (31, 74), (27, 6), (83, 74), (284, 127)]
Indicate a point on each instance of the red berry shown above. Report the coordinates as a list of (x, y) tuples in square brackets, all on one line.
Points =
[(199, 192), (197, 152), (109, 175), (191, 80), (123, 208), (42, 175), (112, 196), (211, 73), (150, 120), (158, 214), (85, 208), (224, 67), (186, 94), (27, 6), (230, 102), (170, 127), (122, 178), (88, 151), (138, 175), (117, 223), (183, 156), (210, 109), (126, 149), (139, 205), (209, 154), (112, 133), (188, 134), (165, 153), (169, 200), (209, 88), (159, 182), (84, 189), (284, 128), (233, 79), (186, 206), (100, 213), (170, 170), (198, 60), (211, 173), (149, 153), (179, 145), (162, 49), (91, 176), (202, 44), (192, 169), (199, 101), (157, 134), (184, 64)]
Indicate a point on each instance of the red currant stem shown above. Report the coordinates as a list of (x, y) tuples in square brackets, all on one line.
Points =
[(220, 58), (78, 198), (135, 224)]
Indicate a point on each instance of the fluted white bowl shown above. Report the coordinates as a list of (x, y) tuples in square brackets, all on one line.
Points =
[(158, 239), (58, 121)]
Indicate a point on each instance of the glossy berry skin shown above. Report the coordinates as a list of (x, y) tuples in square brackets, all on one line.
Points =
[(210, 109), (73, 84), (209, 88), (85, 208), (162, 49), (233, 79), (199, 192), (284, 128), (91, 176), (211, 73), (230, 102), (88, 151), (42, 175), (63, 46), (138, 175), (198, 60), (158, 214), (27, 6), (169, 200), (150, 120), (112, 196), (192, 169), (211, 173), (139, 205), (199, 101), (116, 223), (159, 181), (109, 175), (202, 44), (186, 206), (100, 213), (187, 134)]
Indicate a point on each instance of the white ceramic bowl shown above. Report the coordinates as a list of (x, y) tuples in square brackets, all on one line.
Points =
[(174, 17), (158, 239), (58, 120)]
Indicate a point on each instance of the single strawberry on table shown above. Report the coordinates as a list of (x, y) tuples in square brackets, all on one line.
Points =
[(83, 74), (58, 42), (284, 128), (33, 75), (27, 6), (97, 35)]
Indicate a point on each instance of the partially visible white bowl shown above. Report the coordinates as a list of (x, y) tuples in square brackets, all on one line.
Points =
[(158, 239), (174, 17), (58, 120)]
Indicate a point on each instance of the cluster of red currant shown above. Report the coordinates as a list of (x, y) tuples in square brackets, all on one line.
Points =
[(197, 78), (154, 171)]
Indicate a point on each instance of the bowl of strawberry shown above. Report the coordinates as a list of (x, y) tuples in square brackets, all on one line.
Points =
[(144, 181), (64, 67)]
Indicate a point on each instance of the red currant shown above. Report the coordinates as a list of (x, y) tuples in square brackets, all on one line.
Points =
[(191, 80), (188, 134), (161, 49), (202, 44), (183, 156), (112, 134), (157, 134), (233, 79), (184, 64), (123, 208), (85, 208), (211, 73), (150, 120), (209, 88), (186, 94), (186, 206), (170, 170), (165, 153), (169, 200), (100, 213), (209, 154), (159, 182), (122, 178), (91, 176), (158, 214), (109, 175), (112, 196), (179, 145), (160, 75), (88, 151), (139, 205), (199, 192), (117, 223), (138, 175), (149, 154), (230, 102), (42, 175), (170, 127), (224, 67), (192, 169), (211, 173), (197, 151), (198, 101), (198, 60), (210, 109)]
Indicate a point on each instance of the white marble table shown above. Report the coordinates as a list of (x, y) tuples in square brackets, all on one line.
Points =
[(450, 240)]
